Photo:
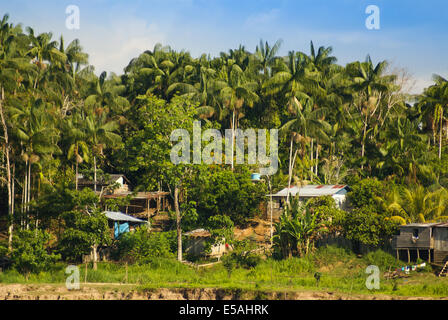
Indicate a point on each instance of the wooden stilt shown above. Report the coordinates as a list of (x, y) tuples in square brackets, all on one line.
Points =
[(398, 255), (418, 254), (409, 256), (429, 255)]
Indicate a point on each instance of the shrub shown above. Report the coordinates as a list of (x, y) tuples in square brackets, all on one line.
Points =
[(225, 192), (382, 259), (85, 229), (29, 253), (140, 245), (365, 193), (242, 256), (367, 227)]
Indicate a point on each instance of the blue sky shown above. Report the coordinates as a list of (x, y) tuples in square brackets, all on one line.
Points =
[(412, 35)]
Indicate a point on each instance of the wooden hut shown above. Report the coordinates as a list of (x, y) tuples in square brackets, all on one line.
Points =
[(426, 241), (144, 204)]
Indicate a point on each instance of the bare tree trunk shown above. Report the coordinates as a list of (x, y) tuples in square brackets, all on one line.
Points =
[(317, 158), (270, 207), (233, 135), (95, 256), (311, 157), (22, 219), (28, 194), (25, 197), (8, 172), (178, 226), (94, 172), (290, 171), (13, 175), (363, 142), (291, 166), (76, 174), (440, 135)]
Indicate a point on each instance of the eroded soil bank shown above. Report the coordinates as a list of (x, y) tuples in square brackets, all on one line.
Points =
[(129, 292)]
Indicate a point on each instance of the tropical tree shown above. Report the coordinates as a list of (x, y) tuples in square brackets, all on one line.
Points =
[(77, 142), (100, 133), (297, 230), (433, 104)]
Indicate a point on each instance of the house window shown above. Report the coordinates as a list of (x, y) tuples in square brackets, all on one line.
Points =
[(415, 234)]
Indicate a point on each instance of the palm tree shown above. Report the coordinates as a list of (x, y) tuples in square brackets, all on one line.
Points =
[(266, 56), (100, 133), (433, 104), (199, 90), (12, 60), (418, 205), (78, 148), (104, 96), (235, 91), (36, 131), (43, 52), (369, 85), (308, 123), (295, 78), (402, 140)]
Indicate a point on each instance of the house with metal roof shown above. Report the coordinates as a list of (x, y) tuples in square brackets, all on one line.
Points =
[(337, 192), (119, 181), (426, 241)]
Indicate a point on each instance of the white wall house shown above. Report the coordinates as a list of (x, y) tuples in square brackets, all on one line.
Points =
[(337, 192)]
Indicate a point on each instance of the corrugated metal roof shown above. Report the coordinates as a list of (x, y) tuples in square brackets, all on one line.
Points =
[(138, 195), (118, 216), (442, 225), (313, 190), (111, 178), (426, 225), (198, 233)]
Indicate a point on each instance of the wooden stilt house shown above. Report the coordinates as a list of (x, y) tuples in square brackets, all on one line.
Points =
[(426, 241)]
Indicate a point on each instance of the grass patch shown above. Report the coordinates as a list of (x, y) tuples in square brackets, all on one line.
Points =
[(341, 271)]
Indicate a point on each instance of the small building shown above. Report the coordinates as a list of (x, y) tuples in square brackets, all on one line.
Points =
[(119, 180), (426, 241), (122, 223), (337, 192), (197, 242), (144, 204)]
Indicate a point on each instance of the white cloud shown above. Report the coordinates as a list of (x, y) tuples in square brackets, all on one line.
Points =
[(111, 49), (262, 19)]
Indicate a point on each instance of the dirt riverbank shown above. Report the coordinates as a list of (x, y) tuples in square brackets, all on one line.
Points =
[(102, 291)]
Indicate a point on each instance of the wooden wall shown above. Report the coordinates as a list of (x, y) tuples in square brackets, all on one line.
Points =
[(404, 240)]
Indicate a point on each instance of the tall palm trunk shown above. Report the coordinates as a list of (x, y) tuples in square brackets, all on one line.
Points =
[(363, 142), (290, 170), (95, 256), (28, 194), (94, 172), (311, 157), (233, 135), (292, 160), (76, 170), (178, 226), (440, 134), (8, 172), (22, 219)]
